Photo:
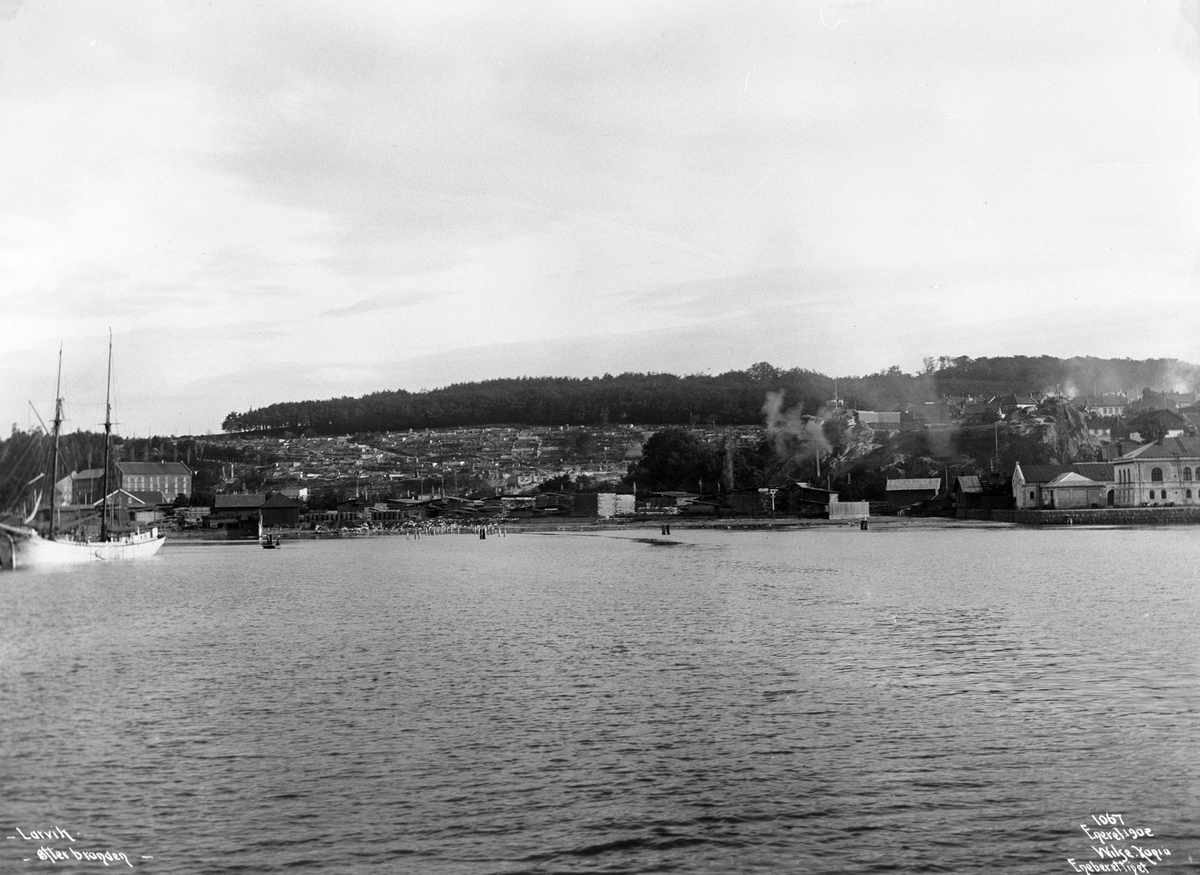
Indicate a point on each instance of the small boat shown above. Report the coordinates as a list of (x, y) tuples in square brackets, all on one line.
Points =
[(267, 542), (31, 549)]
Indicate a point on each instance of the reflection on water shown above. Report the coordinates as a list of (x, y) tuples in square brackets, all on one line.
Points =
[(815, 701)]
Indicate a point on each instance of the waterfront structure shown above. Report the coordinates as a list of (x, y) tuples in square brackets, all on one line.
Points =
[(1164, 473), (236, 510), (1073, 490), (907, 491), (1039, 486), (280, 510), (981, 492)]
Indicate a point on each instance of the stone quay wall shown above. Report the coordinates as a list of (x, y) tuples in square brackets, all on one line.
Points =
[(1103, 516)]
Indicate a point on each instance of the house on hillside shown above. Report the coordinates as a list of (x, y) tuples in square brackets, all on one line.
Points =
[(930, 412), (981, 412), (1118, 447), (1103, 405), (1166, 472), (1159, 422), (1160, 401), (879, 420)]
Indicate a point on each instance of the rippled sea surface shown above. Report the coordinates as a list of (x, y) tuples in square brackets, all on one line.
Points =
[(823, 700)]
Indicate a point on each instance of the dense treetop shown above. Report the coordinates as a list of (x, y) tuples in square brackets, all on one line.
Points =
[(735, 397)]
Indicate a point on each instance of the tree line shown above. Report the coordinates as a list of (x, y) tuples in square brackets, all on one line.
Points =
[(731, 398)]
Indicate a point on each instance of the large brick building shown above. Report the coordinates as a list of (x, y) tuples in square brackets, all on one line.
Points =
[(169, 478)]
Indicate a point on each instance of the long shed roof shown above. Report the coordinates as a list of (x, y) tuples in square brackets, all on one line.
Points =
[(914, 484), (153, 468)]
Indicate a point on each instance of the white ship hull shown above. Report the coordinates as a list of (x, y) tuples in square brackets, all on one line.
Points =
[(34, 551)]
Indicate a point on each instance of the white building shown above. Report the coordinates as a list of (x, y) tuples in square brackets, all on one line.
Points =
[(1163, 473)]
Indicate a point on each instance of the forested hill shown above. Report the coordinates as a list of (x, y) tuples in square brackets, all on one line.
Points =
[(730, 398)]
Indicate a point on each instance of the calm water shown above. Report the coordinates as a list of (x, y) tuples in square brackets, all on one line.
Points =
[(826, 700)]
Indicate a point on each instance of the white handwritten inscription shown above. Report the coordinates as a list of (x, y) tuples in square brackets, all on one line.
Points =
[(46, 852), (1114, 848)]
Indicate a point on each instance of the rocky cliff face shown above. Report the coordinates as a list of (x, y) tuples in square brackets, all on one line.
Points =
[(1054, 432), (1060, 429)]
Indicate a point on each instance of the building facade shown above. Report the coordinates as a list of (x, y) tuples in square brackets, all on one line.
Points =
[(1037, 487), (1163, 473), (170, 478)]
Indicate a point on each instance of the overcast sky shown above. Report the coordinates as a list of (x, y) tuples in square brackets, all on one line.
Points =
[(285, 200)]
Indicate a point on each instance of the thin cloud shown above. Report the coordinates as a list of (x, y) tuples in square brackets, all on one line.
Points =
[(599, 187), (379, 303)]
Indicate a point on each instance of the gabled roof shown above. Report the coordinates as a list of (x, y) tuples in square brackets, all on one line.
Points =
[(281, 500), (1101, 472), (132, 498), (970, 484), (1071, 478), (238, 501), (154, 468), (149, 497), (1170, 448), (808, 487), (914, 483), (1158, 415), (1042, 473), (1107, 400)]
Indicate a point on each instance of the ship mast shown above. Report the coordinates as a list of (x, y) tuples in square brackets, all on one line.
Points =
[(58, 418), (107, 444)]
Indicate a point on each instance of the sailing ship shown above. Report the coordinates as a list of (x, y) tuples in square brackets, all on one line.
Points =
[(32, 549)]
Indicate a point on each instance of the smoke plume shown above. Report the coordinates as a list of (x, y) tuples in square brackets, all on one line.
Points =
[(796, 437)]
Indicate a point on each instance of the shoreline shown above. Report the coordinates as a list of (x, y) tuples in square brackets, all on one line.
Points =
[(569, 526)]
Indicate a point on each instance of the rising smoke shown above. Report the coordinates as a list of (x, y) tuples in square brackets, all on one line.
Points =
[(796, 437)]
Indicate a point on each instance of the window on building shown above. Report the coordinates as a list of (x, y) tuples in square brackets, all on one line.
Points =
[(1156, 475), (1031, 496), (1152, 495), (1187, 473), (1187, 493)]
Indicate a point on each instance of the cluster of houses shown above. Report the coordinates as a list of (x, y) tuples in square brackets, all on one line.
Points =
[(1161, 474), (414, 463), (1150, 443), (1109, 417)]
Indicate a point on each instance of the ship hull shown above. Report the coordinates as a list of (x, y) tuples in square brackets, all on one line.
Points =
[(34, 551)]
